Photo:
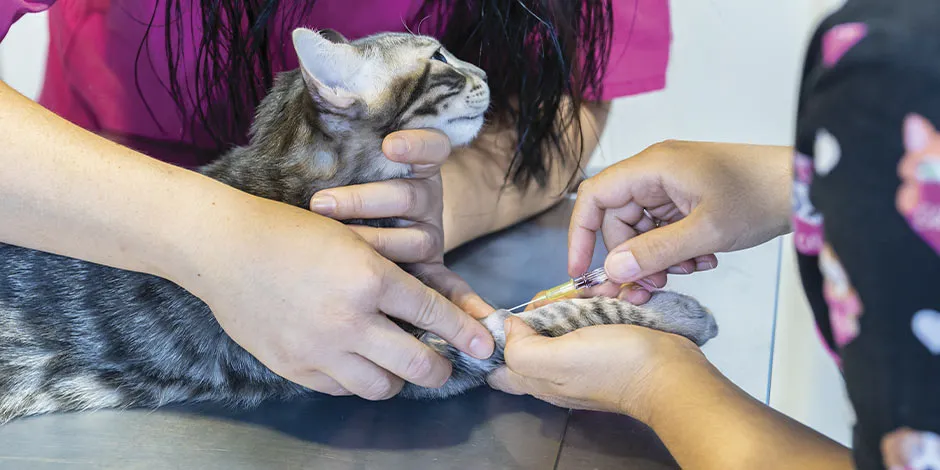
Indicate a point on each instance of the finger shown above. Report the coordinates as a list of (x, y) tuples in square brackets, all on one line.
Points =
[(613, 188), (645, 224), (656, 280), (415, 244), (453, 287), (400, 353), (411, 199), (417, 147), (607, 289), (320, 382), (685, 267), (526, 352), (404, 297), (635, 294), (657, 250), (507, 381), (363, 378), (617, 226), (706, 262), (587, 218)]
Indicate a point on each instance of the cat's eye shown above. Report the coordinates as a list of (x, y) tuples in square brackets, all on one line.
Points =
[(438, 55)]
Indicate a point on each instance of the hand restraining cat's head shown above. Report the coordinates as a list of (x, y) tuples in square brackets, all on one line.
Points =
[(394, 81), (322, 125)]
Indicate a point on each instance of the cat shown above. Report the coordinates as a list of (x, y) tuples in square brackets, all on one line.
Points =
[(77, 336)]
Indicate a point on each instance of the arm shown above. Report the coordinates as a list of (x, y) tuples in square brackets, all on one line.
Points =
[(707, 423), (475, 203), (58, 179), (667, 383), (67, 191)]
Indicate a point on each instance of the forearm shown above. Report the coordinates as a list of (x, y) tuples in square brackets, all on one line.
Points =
[(477, 201), (708, 423), (67, 191)]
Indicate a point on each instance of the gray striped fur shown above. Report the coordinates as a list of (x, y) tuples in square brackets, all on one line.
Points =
[(79, 336)]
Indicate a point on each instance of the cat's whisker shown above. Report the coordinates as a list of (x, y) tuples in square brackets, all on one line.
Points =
[(420, 23), (405, 24)]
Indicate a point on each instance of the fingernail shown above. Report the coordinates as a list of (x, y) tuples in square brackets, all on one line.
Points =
[(479, 348), (678, 269), (323, 204), (622, 267), (646, 285), (398, 146), (704, 265)]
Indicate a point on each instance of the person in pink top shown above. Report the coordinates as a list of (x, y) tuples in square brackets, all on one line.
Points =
[(135, 93)]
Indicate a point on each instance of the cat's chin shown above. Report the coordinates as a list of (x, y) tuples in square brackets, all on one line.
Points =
[(462, 131)]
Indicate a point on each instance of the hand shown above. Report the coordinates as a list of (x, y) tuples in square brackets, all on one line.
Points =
[(309, 299), (419, 200), (671, 207), (614, 368)]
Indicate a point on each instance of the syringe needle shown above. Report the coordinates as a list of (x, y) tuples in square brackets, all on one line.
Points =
[(527, 303)]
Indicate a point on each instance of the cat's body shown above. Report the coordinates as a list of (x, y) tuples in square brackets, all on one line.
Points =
[(76, 335)]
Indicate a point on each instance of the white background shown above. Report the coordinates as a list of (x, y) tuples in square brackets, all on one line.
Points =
[(733, 77)]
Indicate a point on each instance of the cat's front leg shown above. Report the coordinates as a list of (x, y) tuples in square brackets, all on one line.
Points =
[(667, 311)]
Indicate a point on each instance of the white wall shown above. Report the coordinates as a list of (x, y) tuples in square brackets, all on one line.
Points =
[(23, 54), (733, 77)]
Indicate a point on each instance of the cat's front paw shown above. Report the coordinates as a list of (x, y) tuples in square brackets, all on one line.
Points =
[(681, 314)]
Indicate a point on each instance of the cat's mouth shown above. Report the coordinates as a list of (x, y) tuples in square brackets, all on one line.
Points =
[(466, 118)]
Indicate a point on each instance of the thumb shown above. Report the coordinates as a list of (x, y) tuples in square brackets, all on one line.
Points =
[(454, 287), (655, 251), (518, 330), (526, 351)]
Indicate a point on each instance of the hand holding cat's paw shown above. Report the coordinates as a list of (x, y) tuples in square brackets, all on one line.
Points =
[(616, 368)]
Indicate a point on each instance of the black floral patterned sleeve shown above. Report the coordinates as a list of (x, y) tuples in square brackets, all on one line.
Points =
[(866, 219)]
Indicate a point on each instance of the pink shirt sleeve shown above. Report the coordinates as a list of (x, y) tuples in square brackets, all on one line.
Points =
[(12, 10), (639, 51)]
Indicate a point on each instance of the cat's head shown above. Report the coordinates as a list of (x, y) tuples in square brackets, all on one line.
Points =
[(393, 81)]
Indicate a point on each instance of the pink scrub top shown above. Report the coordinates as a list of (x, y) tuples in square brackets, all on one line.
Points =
[(93, 49)]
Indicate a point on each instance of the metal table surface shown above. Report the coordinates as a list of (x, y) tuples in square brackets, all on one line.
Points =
[(483, 429)]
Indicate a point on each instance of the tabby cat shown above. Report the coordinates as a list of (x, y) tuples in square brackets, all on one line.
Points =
[(76, 335)]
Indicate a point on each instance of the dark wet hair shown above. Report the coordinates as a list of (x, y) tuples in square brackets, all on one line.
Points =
[(535, 51)]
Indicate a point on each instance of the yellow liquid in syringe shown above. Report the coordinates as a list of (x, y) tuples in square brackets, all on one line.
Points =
[(589, 279)]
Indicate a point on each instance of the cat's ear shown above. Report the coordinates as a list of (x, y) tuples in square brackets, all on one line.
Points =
[(918, 132), (334, 36), (328, 67)]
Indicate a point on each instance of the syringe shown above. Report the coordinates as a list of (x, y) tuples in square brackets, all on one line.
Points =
[(589, 279)]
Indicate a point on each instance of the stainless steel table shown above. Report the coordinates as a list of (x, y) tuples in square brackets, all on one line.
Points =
[(483, 429)]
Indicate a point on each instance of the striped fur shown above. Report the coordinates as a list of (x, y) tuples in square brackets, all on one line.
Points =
[(667, 311), (79, 336)]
